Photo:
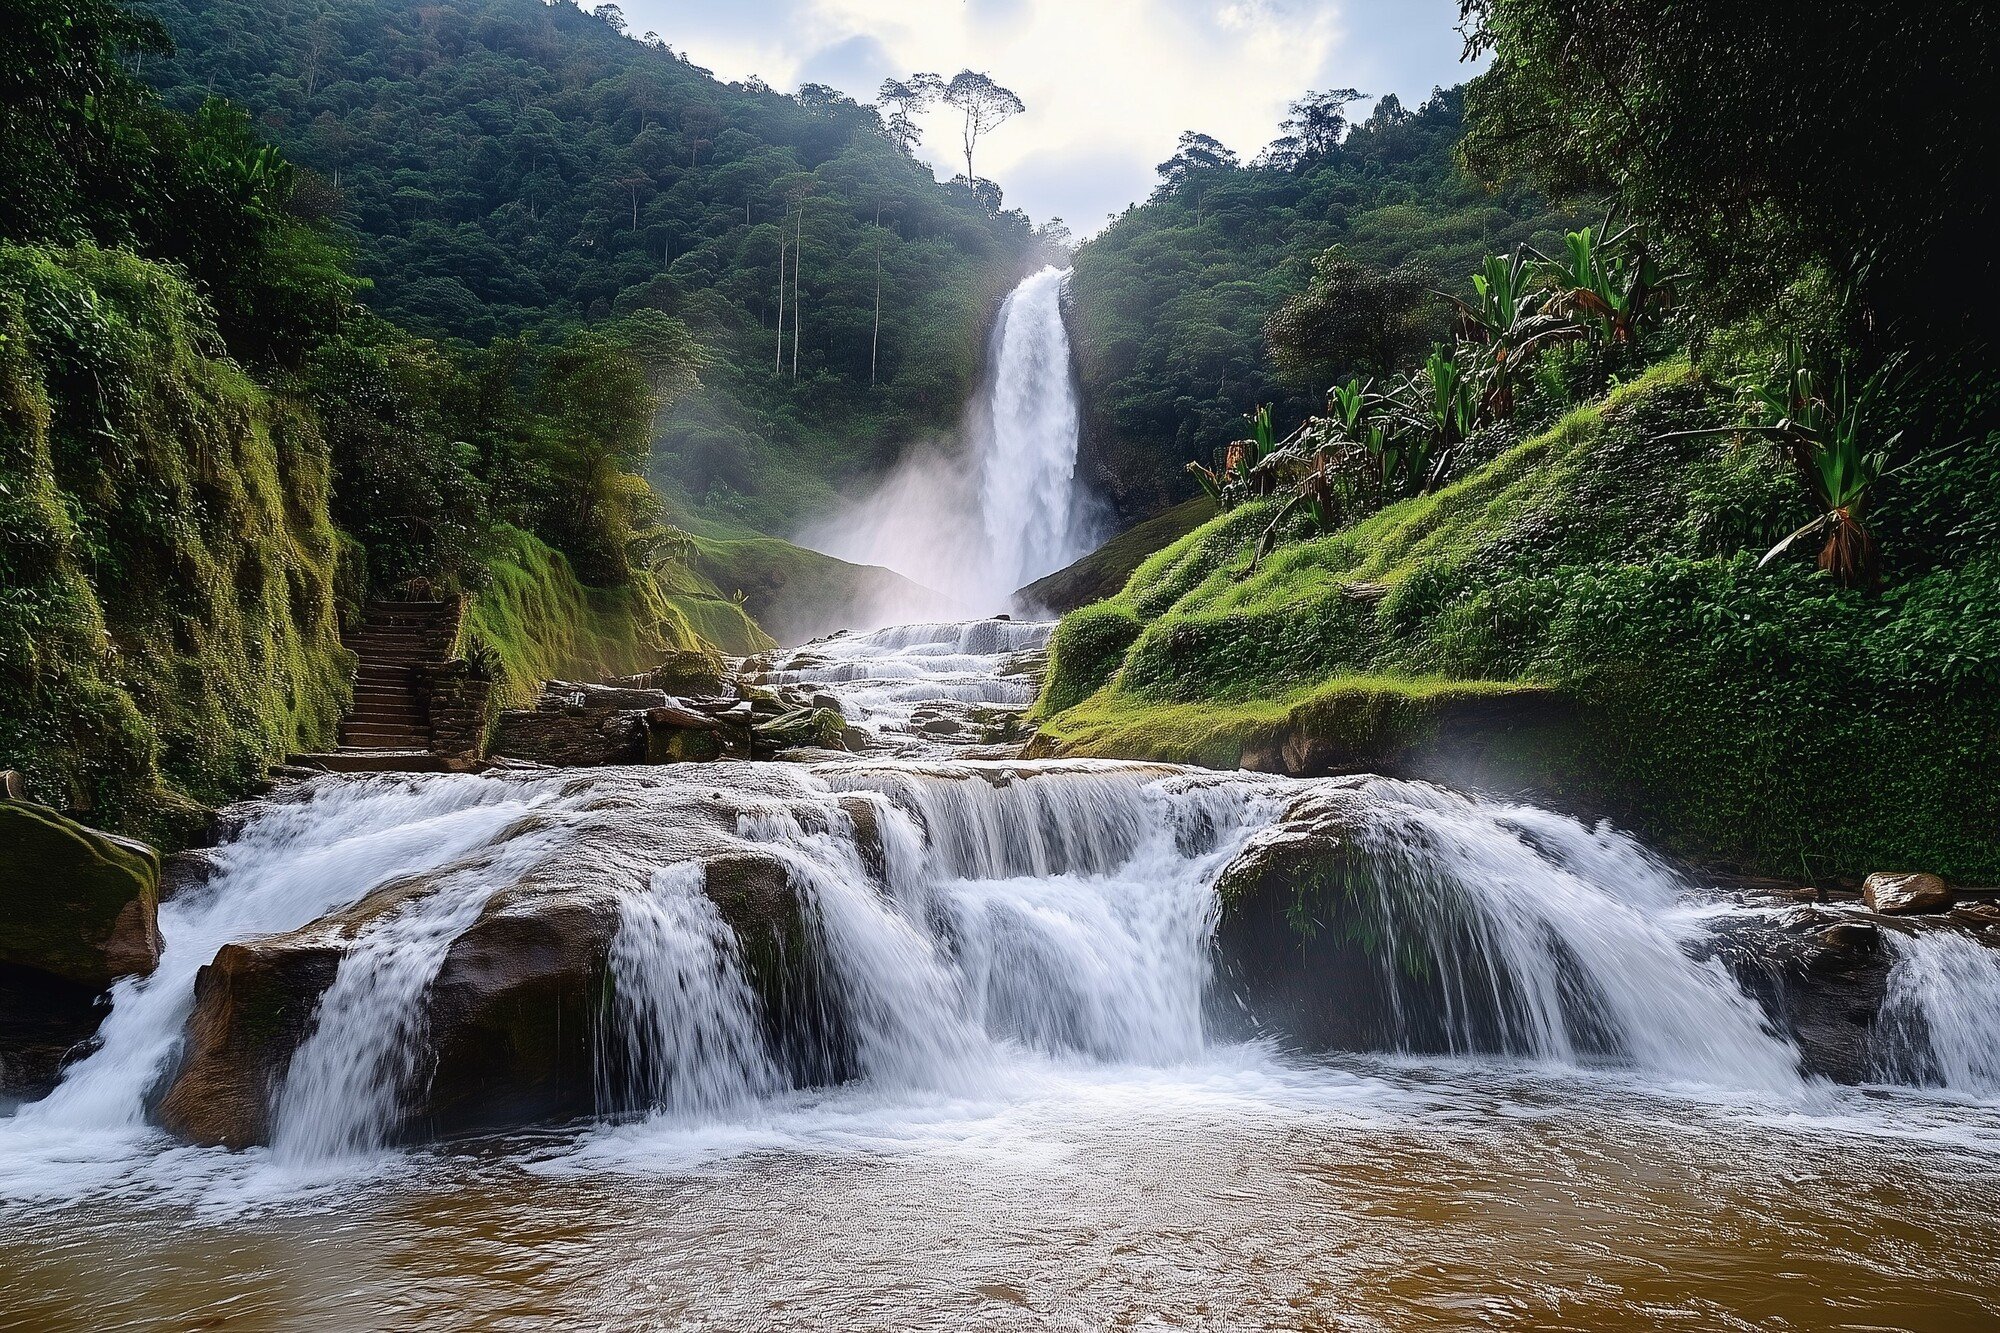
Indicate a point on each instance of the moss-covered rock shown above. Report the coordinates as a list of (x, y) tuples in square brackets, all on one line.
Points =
[(814, 728), (75, 903), (692, 673)]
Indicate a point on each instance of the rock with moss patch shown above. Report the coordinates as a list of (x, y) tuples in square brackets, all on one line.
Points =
[(75, 903), (801, 728), (693, 672)]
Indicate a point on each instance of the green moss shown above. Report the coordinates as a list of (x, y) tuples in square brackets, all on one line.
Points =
[(70, 897), (1762, 718), (167, 625), (545, 624), (1362, 715), (1083, 652)]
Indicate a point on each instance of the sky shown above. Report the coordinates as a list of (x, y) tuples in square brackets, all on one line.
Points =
[(1109, 84)]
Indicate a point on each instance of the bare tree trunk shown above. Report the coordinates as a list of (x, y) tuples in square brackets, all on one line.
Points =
[(798, 248), (875, 341), (778, 359)]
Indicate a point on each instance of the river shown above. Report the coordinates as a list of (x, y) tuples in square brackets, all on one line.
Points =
[(1047, 1117)]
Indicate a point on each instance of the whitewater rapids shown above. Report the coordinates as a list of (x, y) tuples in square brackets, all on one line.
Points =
[(1045, 1070)]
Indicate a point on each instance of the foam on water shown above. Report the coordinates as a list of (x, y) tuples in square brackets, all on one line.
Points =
[(1006, 927)]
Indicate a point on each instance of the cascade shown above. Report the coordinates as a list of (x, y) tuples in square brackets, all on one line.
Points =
[(1941, 1014), (686, 1039), (995, 916)]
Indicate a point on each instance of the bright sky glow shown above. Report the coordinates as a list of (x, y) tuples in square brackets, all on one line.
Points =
[(1109, 84)]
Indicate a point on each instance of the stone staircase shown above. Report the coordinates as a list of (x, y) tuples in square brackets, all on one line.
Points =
[(393, 640), (390, 727)]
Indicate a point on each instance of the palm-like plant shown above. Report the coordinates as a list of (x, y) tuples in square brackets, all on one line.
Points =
[(1606, 279), (1506, 326), (1239, 472), (1820, 423), (1357, 415), (1432, 412)]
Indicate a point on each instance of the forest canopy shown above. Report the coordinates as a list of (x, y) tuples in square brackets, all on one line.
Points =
[(509, 166)]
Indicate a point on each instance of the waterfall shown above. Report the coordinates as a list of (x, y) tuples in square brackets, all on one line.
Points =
[(1510, 929), (956, 925), (295, 861), (1940, 1023), (686, 1039), (1028, 505), (979, 517), (344, 1093)]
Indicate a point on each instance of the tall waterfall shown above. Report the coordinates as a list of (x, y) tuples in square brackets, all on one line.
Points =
[(978, 517), (1028, 503)]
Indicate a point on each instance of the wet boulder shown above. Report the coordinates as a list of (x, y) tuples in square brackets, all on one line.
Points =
[(680, 733), (75, 903), (1303, 943), (1820, 977), (78, 909), (1907, 894), (514, 1021), (253, 1005), (801, 728)]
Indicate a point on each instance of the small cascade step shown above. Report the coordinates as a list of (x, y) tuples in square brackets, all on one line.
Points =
[(388, 727)]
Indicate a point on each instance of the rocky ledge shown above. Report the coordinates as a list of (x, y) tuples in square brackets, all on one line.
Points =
[(78, 909), (512, 1018)]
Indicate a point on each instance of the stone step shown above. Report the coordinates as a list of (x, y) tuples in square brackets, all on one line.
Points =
[(383, 733), (361, 759)]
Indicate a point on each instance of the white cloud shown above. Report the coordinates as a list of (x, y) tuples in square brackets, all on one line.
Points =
[(1109, 84)]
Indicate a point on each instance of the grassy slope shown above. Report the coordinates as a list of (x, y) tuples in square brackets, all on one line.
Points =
[(799, 594), (1105, 570), (167, 563), (544, 624), (1758, 717)]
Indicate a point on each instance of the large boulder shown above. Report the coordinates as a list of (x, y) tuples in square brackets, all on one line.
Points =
[(253, 1005), (1907, 894), (691, 672), (515, 1016), (1820, 976), (78, 909), (1298, 951), (75, 903)]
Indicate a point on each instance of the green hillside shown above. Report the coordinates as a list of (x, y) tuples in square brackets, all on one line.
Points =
[(1169, 303), (510, 165)]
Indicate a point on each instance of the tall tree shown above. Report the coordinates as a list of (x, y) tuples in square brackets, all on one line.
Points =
[(1312, 131), (984, 104), (905, 99)]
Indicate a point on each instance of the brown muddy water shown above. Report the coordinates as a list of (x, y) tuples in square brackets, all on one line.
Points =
[(1244, 1193)]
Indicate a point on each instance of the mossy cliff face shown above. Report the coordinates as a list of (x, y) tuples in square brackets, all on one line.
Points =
[(1582, 618), (167, 565)]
